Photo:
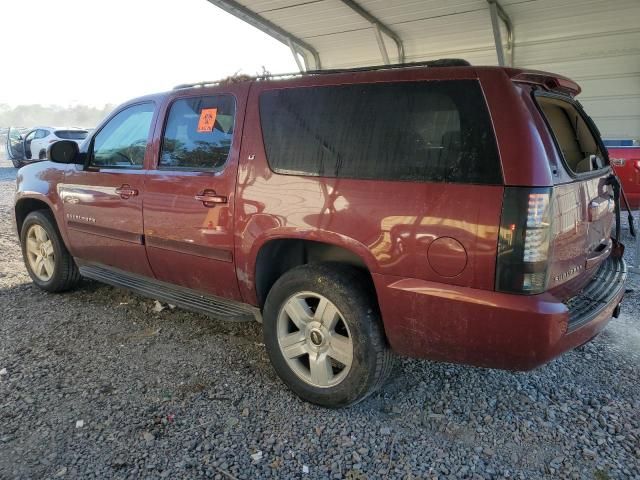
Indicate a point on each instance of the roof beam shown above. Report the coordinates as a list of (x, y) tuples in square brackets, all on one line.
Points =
[(378, 28), (271, 29)]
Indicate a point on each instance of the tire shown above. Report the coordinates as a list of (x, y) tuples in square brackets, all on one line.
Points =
[(17, 163), (57, 272), (318, 367), (42, 155)]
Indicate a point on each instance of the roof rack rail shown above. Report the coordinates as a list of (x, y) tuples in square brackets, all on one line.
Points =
[(442, 62)]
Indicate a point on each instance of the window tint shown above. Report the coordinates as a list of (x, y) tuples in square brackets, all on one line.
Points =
[(413, 131), (574, 138), (198, 133), (123, 140)]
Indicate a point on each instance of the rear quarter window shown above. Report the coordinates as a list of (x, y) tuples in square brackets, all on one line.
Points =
[(436, 131), (72, 134)]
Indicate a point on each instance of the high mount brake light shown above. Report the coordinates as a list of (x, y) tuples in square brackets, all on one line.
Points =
[(523, 244), (549, 82)]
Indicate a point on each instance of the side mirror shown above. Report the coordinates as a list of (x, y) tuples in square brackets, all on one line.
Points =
[(63, 151)]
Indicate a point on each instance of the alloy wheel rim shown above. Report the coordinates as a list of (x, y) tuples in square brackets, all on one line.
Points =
[(315, 340), (40, 255)]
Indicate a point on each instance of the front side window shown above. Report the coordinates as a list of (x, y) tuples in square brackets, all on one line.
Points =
[(574, 138), (122, 142), (436, 131), (198, 133)]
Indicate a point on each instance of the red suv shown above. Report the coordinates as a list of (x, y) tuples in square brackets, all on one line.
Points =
[(445, 212), (626, 163)]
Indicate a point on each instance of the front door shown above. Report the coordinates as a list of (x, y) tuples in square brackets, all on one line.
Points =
[(28, 140), (102, 201), (15, 145), (189, 197)]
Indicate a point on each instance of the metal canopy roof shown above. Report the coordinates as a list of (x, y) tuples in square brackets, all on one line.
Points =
[(595, 42)]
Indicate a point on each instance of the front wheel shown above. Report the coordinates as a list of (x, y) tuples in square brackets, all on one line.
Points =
[(324, 335), (50, 265)]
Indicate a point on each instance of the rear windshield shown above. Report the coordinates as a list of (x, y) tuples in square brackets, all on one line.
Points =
[(72, 134), (573, 136), (411, 131)]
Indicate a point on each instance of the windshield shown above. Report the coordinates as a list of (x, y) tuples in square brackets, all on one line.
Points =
[(577, 143)]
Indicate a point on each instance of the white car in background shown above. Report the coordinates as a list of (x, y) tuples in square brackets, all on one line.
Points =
[(31, 146)]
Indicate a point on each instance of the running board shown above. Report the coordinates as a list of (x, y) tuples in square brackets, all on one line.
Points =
[(186, 298)]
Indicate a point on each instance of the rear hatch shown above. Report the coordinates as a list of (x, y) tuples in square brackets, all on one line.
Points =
[(582, 205)]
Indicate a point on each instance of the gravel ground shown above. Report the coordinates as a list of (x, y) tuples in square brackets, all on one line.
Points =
[(94, 384)]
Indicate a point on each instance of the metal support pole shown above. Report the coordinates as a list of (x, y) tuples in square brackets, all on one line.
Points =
[(235, 8), (296, 57), (497, 37), (379, 28), (381, 45), (498, 13)]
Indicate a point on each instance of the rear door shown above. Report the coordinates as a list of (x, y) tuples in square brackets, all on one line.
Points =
[(189, 195), (39, 144), (102, 201), (583, 205), (15, 144)]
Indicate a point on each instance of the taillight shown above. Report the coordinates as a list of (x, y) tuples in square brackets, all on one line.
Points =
[(637, 165), (523, 244)]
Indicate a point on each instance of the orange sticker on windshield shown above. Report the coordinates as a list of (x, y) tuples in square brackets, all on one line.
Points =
[(207, 120)]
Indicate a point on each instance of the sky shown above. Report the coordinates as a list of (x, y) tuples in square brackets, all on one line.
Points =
[(67, 52)]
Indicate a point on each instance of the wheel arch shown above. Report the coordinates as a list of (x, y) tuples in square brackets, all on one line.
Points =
[(27, 204), (24, 206), (277, 256)]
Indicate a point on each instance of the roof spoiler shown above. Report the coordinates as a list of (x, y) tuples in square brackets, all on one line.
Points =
[(549, 81)]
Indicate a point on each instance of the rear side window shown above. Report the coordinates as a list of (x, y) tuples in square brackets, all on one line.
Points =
[(575, 140), (198, 133), (71, 134), (436, 131)]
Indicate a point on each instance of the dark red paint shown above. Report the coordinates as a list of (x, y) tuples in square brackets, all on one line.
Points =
[(626, 162), (437, 298)]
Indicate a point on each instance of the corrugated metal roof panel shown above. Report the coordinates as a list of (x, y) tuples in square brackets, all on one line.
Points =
[(593, 41), (318, 19)]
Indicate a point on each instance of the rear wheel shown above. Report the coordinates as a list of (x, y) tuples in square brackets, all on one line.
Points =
[(324, 335), (47, 259)]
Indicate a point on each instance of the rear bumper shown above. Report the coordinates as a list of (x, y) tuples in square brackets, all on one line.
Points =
[(492, 329)]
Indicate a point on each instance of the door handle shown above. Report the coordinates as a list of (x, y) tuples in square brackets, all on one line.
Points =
[(210, 199), (125, 191)]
